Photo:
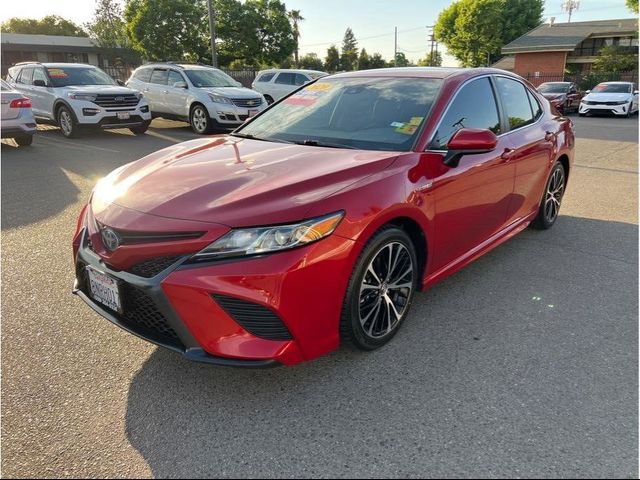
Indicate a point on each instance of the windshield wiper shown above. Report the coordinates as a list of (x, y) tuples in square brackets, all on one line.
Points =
[(316, 143), (253, 137)]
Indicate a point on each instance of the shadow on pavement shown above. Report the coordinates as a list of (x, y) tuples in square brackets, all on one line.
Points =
[(523, 364)]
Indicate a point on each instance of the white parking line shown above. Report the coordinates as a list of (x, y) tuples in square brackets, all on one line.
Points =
[(74, 144)]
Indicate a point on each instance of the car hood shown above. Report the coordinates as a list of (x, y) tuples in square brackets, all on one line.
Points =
[(105, 89), (232, 92), (235, 182), (607, 97)]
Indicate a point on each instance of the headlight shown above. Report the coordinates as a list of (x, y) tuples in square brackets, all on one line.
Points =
[(89, 97), (243, 242), (219, 98)]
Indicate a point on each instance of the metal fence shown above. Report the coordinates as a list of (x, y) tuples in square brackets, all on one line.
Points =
[(584, 80)]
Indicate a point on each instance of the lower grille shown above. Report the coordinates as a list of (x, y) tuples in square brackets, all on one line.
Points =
[(254, 318), (153, 266)]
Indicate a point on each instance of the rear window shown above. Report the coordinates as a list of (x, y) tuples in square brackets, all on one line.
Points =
[(515, 102), (286, 78), (25, 76), (266, 77), (301, 79), (159, 76)]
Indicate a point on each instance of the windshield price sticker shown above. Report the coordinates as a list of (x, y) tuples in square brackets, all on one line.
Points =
[(57, 73)]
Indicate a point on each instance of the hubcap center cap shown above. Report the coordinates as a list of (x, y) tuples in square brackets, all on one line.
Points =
[(384, 288)]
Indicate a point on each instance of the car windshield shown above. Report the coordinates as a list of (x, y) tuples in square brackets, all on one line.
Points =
[(379, 113), (612, 88), (554, 88), (210, 78), (66, 76)]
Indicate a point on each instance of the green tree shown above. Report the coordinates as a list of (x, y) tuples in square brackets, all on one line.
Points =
[(632, 5), (236, 38), (364, 62), (430, 60), (349, 57), (296, 18), (614, 59), (311, 61), (108, 27), (401, 60), (474, 31), (274, 32), (332, 60), (49, 25), (376, 61)]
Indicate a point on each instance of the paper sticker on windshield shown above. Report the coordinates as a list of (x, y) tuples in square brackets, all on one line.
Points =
[(320, 86), (57, 73), (407, 129), (397, 124), (415, 121)]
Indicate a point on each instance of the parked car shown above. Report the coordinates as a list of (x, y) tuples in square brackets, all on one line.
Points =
[(277, 83), (17, 117), (319, 219), (76, 96), (565, 96), (619, 98), (204, 96)]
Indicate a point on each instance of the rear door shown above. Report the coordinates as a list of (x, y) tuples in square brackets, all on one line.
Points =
[(155, 90)]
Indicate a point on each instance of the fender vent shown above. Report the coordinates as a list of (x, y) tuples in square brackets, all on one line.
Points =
[(255, 319)]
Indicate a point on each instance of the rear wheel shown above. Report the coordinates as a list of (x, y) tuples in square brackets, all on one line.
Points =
[(24, 140), (66, 123), (380, 290), (199, 119), (553, 193)]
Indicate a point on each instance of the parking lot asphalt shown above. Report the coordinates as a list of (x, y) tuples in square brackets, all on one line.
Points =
[(524, 364)]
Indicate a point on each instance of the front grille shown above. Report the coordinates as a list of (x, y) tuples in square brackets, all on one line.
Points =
[(153, 266), (604, 103), (247, 102), (114, 101), (254, 318), (140, 312)]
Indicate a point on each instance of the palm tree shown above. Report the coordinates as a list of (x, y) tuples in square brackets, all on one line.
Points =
[(295, 17)]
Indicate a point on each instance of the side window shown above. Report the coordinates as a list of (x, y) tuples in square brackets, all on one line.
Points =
[(301, 79), (473, 107), (286, 78), (13, 74), (175, 77), (159, 76), (38, 74), (143, 75), (25, 76), (515, 102), (266, 77), (535, 106)]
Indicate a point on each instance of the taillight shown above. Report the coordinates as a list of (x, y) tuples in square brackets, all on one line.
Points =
[(20, 103)]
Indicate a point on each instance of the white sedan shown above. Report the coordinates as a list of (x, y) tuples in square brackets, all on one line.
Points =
[(619, 98)]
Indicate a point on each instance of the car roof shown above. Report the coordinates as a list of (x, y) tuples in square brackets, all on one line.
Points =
[(424, 72), (292, 70), (184, 66)]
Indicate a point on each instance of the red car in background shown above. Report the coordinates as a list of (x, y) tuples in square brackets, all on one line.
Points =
[(565, 96), (318, 220)]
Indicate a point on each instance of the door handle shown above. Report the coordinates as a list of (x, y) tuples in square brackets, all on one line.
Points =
[(550, 136), (507, 154)]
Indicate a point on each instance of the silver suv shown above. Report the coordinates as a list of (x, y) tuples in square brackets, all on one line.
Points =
[(203, 96)]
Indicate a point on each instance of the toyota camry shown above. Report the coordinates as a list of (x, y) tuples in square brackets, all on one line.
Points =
[(319, 220)]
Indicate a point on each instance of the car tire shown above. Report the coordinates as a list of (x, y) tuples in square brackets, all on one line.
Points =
[(551, 199), (269, 99), (373, 309), (67, 124), (199, 119), (140, 129), (24, 140)]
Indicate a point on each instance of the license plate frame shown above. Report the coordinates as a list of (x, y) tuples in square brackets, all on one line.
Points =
[(105, 289), (123, 115)]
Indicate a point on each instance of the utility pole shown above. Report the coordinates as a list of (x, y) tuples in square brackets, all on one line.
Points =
[(569, 6), (395, 49), (212, 31)]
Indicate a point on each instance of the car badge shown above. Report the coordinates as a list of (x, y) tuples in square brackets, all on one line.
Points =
[(110, 239), (119, 99)]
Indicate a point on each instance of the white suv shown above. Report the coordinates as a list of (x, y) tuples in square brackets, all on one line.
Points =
[(203, 96), (76, 95), (277, 83)]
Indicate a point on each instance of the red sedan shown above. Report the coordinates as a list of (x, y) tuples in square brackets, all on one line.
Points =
[(318, 220)]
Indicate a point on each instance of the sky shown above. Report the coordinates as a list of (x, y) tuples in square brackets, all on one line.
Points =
[(372, 21)]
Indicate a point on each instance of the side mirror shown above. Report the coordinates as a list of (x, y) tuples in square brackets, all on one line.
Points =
[(39, 83), (635, 92), (180, 85), (587, 91), (120, 82), (469, 141)]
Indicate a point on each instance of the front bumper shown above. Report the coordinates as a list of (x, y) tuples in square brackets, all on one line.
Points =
[(604, 109), (179, 308), (90, 114), (232, 116)]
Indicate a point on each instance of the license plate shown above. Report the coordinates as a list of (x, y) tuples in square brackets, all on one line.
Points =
[(123, 115), (252, 112), (104, 289)]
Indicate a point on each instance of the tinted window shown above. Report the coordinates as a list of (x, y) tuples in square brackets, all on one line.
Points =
[(65, 76), (301, 79), (473, 107), (38, 74), (143, 75), (266, 77), (535, 106), (175, 77), (286, 78), (159, 76), (25, 76), (515, 102)]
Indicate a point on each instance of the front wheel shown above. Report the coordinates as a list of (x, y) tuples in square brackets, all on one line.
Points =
[(199, 120), (66, 123), (380, 290), (553, 193), (140, 129)]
